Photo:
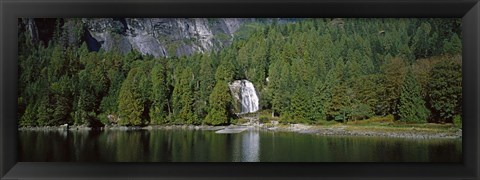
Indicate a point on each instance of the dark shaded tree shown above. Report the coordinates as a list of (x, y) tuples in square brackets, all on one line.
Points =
[(412, 106)]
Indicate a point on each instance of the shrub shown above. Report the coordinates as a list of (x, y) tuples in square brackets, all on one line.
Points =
[(264, 119), (457, 121), (239, 121), (388, 118), (103, 118)]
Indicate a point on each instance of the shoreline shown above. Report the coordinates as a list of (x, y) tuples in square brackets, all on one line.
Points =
[(391, 132), (324, 130)]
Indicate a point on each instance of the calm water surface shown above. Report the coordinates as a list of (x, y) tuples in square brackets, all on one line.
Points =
[(248, 146)]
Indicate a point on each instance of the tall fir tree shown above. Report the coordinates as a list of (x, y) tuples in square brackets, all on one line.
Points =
[(337, 107), (393, 74), (220, 105), (160, 93), (130, 104), (300, 106), (412, 106), (183, 99), (206, 84)]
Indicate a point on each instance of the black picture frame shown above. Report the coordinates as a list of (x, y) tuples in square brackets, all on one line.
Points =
[(11, 10)]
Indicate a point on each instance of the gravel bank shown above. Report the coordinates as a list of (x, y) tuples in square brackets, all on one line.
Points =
[(341, 130), (370, 131)]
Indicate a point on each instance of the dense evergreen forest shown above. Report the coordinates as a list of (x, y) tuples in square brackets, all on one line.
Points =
[(305, 71)]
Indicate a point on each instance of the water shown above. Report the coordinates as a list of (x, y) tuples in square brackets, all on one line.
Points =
[(248, 146), (244, 91), (249, 98)]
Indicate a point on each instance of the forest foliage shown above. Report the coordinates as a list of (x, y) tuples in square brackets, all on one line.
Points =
[(305, 71)]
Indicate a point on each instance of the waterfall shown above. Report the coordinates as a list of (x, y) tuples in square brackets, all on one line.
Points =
[(244, 92), (249, 97)]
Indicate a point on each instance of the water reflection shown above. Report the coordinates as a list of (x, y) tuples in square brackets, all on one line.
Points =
[(248, 146), (251, 146)]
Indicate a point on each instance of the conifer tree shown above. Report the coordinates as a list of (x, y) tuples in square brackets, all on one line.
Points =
[(412, 106), (44, 111), (206, 83), (220, 106), (259, 62), (274, 85), (183, 99), (225, 71), (130, 104), (453, 45), (282, 85), (301, 106), (160, 94), (317, 112), (337, 106), (394, 73)]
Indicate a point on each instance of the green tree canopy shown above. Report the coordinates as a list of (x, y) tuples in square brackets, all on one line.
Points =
[(412, 106)]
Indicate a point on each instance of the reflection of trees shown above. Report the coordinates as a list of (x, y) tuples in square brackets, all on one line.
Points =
[(129, 146), (84, 142), (186, 146), (45, 146), (206, 146), (215, 147)]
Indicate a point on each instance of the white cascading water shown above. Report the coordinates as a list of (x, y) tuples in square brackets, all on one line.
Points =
[(249, 97), (244, 92)]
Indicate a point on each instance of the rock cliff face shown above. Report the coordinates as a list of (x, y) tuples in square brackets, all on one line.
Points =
[(31, 28), (161, 37)]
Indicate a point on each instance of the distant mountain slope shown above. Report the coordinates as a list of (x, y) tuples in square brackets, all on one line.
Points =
[(163, 37), (160, 37)]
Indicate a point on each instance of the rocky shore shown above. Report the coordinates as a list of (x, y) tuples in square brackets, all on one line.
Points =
[(329, 130), (123, 128), (415, 133)]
